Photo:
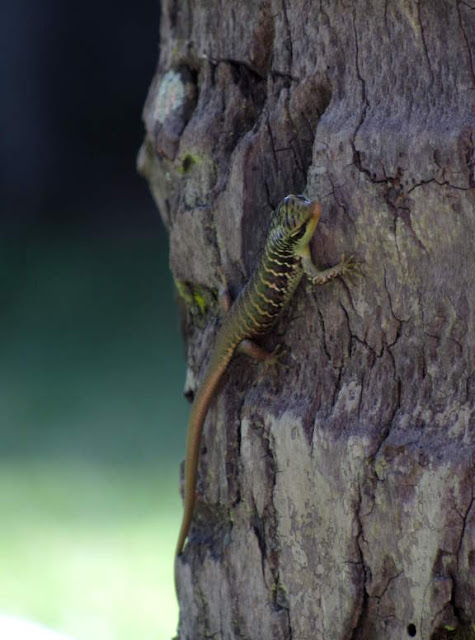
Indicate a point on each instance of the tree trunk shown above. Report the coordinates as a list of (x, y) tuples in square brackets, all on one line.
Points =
[(338, 502)]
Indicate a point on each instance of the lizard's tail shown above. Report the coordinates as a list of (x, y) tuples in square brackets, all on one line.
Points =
[(185, 524), (195, 427)]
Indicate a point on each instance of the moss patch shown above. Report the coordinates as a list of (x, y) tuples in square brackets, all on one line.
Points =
[(198, 299)]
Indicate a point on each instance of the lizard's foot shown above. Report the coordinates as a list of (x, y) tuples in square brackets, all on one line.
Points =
[(274, 362), (350, 267)]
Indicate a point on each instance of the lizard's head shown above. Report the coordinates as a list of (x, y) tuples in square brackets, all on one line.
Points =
[(295, 220)]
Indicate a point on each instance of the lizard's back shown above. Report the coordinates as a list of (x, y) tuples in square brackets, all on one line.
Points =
[(262, 300)]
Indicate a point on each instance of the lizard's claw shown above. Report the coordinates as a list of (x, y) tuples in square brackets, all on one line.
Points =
[(351, 267), (276, 355), (274, 361)]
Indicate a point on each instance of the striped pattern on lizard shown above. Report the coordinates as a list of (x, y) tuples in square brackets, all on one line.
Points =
[(286, 257)]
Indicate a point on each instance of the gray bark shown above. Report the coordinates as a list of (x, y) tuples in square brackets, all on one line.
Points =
[(338, 503)]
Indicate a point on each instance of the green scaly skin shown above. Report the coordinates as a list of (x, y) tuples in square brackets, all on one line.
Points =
[(285, 259)]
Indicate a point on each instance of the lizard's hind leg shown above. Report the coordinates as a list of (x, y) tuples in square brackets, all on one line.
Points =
[(269, 358)]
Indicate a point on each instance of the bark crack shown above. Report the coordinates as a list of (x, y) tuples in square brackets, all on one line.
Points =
[(388, 583), (288, 41), (339, 378), (271, 204), (386, 429), (356, 338), (278, 593), (356, 154), (360, 398), (400, 321), (272, 144), (470, 159), (241, 63), (265, 529), (322, 326), (364, 599), (444, 183), (465, 37), (464, 517), (424, 42), (438, 614), (468, 385), (403, 213), (340, 204)]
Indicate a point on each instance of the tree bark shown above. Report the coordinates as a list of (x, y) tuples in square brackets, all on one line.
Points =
[(337, 503)]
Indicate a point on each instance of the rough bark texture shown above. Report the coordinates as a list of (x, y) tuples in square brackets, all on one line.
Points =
[(339, 503)]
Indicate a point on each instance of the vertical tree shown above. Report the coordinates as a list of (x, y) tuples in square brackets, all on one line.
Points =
[(337, 503)]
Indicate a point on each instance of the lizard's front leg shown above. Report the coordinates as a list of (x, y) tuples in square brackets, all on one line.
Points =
[(316, 277)]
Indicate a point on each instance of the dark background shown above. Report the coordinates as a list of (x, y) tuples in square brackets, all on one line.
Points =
[(92, 418), (74, 79)]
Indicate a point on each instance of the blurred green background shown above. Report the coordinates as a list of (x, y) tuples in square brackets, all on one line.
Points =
[(92, 417)]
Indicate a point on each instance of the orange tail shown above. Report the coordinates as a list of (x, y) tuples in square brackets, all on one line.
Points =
[(195, 428)]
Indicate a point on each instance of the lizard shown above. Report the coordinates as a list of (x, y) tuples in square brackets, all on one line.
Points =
[(285, 259)]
